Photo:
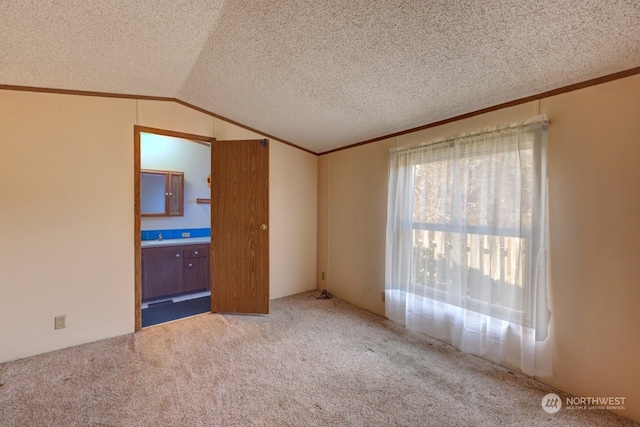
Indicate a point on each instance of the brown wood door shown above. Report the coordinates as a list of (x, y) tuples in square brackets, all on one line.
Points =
[(239, 227)]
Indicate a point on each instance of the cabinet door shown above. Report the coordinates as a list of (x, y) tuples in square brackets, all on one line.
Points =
[(175, 202), (161, 271), (153, 193), (196, 274)]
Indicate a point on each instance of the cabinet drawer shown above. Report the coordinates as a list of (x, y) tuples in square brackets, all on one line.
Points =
[(196, 251)]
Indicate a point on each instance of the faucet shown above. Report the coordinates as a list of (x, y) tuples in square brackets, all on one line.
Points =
[(159, 236)]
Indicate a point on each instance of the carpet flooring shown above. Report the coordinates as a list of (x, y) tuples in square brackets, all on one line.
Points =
[(168, 311), (311, 362)]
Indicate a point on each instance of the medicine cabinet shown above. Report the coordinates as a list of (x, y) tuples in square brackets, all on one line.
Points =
[(161, 193)]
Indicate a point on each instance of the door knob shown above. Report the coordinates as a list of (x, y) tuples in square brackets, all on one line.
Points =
[(263, 227)]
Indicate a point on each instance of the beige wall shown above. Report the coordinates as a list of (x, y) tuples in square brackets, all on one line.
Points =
[(354, 210), (293, 221), (66, 220), (594, 175), (66, 217), (594, 170)]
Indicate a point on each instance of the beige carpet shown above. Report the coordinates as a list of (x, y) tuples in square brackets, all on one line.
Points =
[(310, 362)]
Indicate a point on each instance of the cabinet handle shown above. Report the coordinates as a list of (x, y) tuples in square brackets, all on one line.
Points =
[(177, 255), (190, 265), (196, 252)]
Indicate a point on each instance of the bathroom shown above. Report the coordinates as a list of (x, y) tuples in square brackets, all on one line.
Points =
[(175, 201)]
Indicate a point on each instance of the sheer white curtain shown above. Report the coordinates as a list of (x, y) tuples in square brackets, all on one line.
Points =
[(466, 256)]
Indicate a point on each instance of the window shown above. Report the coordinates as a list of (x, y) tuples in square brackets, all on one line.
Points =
[(466, 237), (482, 244)]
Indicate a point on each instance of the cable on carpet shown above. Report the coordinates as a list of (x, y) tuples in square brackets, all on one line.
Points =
[(324, 295)]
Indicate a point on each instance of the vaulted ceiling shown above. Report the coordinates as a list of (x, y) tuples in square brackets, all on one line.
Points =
[(319, 74)]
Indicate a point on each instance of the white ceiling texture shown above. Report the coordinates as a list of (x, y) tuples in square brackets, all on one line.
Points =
[(319, 74)]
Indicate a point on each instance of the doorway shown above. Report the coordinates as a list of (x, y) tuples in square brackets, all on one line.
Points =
[(238, 253), (173, 223)]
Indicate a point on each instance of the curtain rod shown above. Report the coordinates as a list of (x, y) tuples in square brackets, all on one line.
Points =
[(540, 119)]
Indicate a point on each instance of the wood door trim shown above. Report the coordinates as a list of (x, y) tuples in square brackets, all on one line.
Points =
[(137, 218), (137, 227), (164, 132), (84, 93)]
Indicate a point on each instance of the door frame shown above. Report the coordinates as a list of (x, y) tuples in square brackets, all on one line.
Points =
[(137, 223)]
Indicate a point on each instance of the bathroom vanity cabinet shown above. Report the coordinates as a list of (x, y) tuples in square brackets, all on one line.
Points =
[(169, 270)]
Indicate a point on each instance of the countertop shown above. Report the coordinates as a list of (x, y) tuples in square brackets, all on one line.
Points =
[(176, 242)]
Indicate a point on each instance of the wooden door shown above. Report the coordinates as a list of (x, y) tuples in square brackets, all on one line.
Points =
[(239, 227)]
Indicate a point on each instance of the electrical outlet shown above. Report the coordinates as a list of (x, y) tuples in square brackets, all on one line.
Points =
[(323, 276), (59, 322), (382, 295), (186, 234)]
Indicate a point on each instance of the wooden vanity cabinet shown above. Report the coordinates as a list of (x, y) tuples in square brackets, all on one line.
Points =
[(171, 270), (196, 271)]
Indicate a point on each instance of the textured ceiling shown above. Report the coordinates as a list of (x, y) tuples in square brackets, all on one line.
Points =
[(319, 74)]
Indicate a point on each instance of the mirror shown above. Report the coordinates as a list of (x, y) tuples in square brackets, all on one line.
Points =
[(161, 193)]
